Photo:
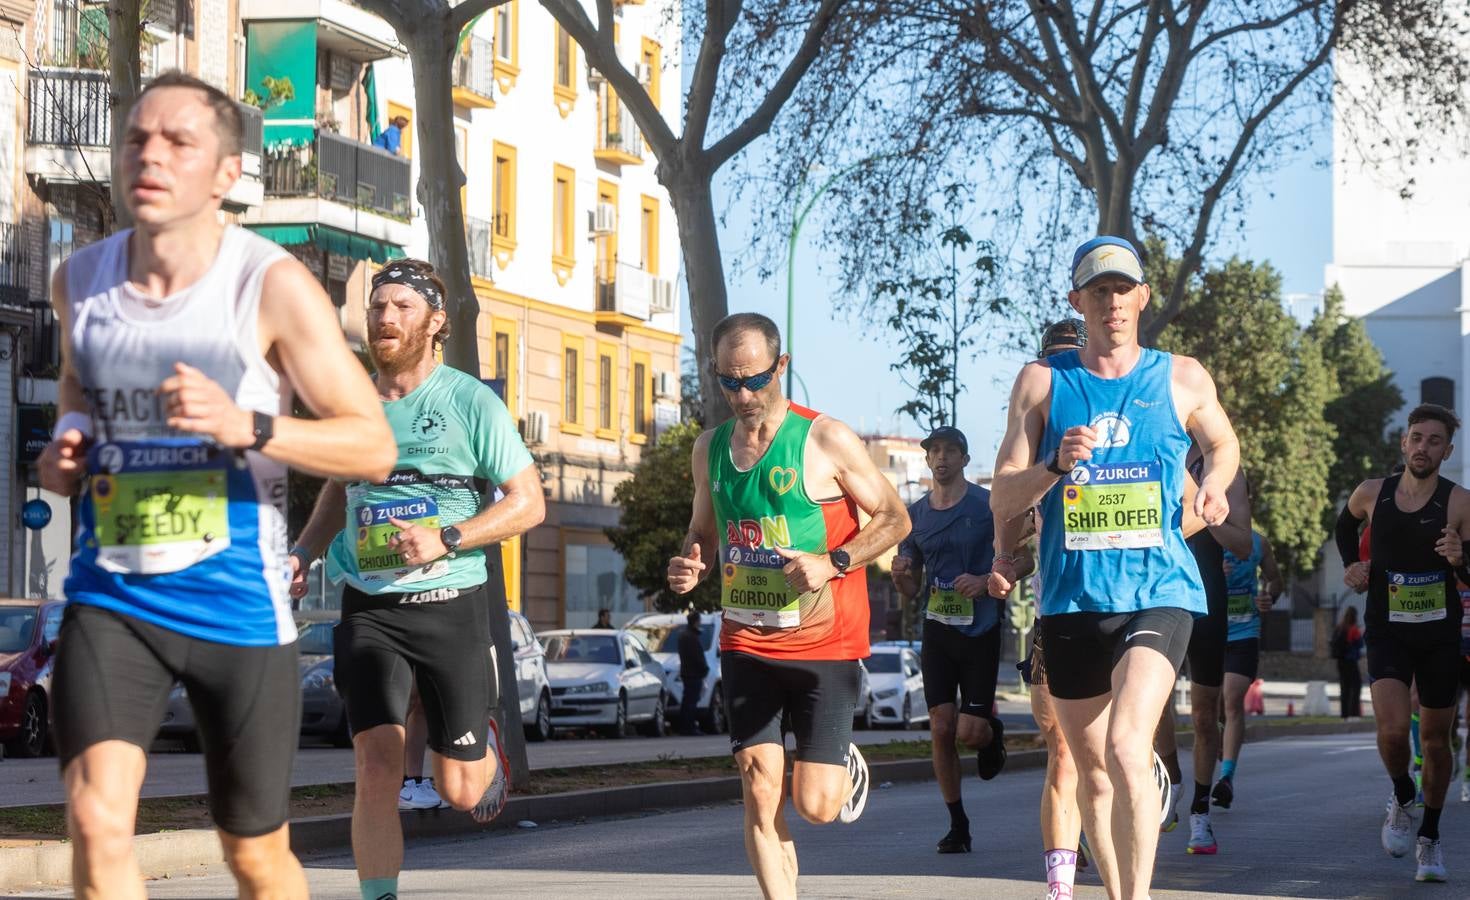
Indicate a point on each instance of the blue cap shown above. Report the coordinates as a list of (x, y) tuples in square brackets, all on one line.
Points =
[(1105, 255)]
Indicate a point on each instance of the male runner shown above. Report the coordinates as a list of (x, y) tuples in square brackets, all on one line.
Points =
[(1099, 438), (948, 556), (411, 549), (1249, 597), (1412, 619), (777, 491), (182, 338)]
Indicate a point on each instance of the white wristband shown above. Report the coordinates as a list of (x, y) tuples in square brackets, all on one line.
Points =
[(78, 420)]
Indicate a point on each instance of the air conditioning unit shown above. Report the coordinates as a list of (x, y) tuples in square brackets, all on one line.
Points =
[(534, 427), (603, 219), (643, 72), (665, 384), (661, 295)]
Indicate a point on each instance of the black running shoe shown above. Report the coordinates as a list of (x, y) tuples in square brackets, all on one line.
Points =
[(991, 758), (1224, 793), (955, 842)]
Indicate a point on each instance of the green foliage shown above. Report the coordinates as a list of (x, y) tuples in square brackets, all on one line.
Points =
[(1274, 384), (656, 503), (277, 91)]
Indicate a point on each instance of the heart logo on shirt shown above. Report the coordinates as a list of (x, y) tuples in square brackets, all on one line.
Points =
[(783, 480)]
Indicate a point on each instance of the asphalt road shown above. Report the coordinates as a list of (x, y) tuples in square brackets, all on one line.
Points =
[(1305, 824)]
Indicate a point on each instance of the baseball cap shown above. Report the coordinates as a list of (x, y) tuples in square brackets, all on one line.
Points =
[(1105, 255), (1064, 332), (947, 433)]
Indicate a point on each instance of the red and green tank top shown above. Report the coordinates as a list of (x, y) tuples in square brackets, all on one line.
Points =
[(765, 507)]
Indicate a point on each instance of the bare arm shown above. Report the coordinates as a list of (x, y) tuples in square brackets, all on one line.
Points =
[(522, 508), (1272, 582), (1234, 534), (328, 517), (1020, 481), (1011, 539), (701, 541), (860, 479), (1206, 420), (61, 463)]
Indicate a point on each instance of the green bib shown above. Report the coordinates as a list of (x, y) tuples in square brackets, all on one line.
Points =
[(948, 605), (1416, 597)]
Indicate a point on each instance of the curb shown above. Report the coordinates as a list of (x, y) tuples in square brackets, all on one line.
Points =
[(171, 852)]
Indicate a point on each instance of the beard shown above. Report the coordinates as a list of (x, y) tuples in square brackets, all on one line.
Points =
[(1422, 470), (409, 352)]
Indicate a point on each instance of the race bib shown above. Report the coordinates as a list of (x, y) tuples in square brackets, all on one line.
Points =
[(1416, 597), (948, 605), (754, 589), (1114, 507), (1240, 608), (376, 561), (160, 506)]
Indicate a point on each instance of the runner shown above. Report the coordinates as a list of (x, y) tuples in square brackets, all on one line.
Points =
[(1464, 691), (1249, 598), (948, 556), (1098, 437), (1419, 520), (777, 491), (182, 339), (411, 550)]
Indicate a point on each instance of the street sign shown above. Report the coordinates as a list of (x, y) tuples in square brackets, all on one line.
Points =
[(36, 514)]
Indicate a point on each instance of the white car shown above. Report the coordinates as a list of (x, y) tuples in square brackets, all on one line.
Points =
[(532, 682), (896, 687), (604, 679), (661, 632)]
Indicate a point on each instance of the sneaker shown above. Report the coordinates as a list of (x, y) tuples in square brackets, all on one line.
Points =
[(418, 793), (1083, 852), (1396, 825), (991, 758), (1168, 797), (1430, 859), (857, 771), (428, 793), (1465, 792), (1201, 835), (497, 793), (956, 841), (1223, 794)]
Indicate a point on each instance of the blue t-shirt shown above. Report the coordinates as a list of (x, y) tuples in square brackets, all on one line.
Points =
[(949, 543), (1241, 588), (390, 139)]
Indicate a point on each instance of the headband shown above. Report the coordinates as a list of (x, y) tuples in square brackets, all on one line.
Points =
[(407, 277)]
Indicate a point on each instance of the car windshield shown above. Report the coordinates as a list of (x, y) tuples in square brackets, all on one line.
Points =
[(882, 664), (316, 638), (17, 625), (593, 648)]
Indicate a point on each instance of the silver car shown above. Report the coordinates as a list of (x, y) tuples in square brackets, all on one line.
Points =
[(531, 680), (604, 679)]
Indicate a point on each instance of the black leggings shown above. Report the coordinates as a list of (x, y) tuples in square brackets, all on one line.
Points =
[(1350, 680)]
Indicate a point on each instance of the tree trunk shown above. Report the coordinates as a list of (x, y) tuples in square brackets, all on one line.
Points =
[(125, 28), (694, 208)]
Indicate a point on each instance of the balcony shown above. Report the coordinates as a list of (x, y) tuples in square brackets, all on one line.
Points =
[(473, 75), (40, 350), (618, 139), (477, 235), (623, 293), (339, 183), (69, 133), (342, 27)]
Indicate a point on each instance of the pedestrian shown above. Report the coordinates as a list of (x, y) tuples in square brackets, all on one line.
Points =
[(693, 668), (391, 138), (1347, 649), (604, 619)]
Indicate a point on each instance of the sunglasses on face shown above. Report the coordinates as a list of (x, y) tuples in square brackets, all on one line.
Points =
[(751, 383)]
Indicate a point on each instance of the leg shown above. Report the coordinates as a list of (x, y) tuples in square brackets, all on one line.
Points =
[(102, 784), (768, 843), (1084, 728), (1205, 713), (1391, 713), (946, 758), (1060, 824), (973, 731), (377, 834), (689, 706), (818, 790), (456, 687), (941, 671), (264, 866), (415, 737), (820, 698), (1434, 734), (1235, 687), (1142, 680)]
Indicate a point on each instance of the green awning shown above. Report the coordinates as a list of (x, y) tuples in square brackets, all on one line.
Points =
[(330, 239)]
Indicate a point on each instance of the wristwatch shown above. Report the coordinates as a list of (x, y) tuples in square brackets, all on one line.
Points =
[(840, 560), (451, 538), (264, 429), (1054, 465)]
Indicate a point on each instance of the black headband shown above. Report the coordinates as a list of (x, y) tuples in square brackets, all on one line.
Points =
[(407, 277)]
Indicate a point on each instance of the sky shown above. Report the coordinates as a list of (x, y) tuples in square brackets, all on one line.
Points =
[(845, 364)]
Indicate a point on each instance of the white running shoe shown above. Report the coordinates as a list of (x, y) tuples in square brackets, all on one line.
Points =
[(418, 793), (1431, 861), (857, 770), (1201, 835), (497, 793), (1171, 810), (1161, 780), (1397, 823), (1465, 792)]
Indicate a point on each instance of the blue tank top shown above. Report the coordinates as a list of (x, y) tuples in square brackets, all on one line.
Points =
[(1111, 538), (949, 543), (1241, 586)]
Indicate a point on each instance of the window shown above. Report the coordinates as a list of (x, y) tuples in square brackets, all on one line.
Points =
[(1438, 390), (65, 23), (502, 355), (502, 358), (563, 219), (607, 392), (592, 579), (60, 242), (652, 59), (566, 61), (571, 374), (503, 229), (607, 249), (640, 389), (507, 43), (648, 227)]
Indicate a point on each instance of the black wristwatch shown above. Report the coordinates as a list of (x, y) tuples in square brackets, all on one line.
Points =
[(1054, 465), (264, 428), (451, 538), (840, 560)]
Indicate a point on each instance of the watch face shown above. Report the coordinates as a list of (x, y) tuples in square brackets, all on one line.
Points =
[(840, 559), (450, 536)]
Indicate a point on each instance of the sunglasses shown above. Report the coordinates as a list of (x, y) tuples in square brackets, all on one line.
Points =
[(752, 383)]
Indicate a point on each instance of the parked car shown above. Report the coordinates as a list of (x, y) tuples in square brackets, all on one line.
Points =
[(606, 679), (28, 632), (661, 632), (896, 687), (862, 707), (532, 682)]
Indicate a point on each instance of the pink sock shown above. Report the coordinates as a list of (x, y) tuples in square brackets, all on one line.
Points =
[(1061, 869)]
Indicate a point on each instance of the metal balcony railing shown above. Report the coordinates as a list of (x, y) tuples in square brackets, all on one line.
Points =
[(68, 107), (347, 171), (477, 235), (474, 68), (41, 351), (616, 130)]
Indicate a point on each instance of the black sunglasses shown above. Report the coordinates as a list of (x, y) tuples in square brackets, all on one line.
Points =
[(751, 382)]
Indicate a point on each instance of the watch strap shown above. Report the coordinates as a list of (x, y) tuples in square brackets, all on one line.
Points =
[(1054, 464), (264, 428)]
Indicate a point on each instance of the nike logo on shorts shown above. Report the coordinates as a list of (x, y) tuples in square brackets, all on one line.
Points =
[(465, 740), (1137, 633)]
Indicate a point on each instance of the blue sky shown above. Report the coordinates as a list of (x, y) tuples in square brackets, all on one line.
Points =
[(845, 364)]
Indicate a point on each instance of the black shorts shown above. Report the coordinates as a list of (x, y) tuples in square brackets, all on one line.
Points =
[(1243, 657), (1432, 666), (1211, 632), (953, 661), (1465, 670), (113, 677), (439, 638), (1082, 648), (817, 697)]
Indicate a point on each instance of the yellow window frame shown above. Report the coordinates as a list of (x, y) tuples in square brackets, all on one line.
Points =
[(562, 264), (576, 344), (636, 434), (504, 246), (608, 349)]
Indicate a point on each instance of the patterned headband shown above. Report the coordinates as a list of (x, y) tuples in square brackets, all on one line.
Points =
[(407, 277)]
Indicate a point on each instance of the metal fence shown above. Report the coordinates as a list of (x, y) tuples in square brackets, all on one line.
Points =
[(477, 234), (617, 131), (336, 168), (475, 68), (69, 107)]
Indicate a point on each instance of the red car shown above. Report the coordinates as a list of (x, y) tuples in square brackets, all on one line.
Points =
[(28, 630)]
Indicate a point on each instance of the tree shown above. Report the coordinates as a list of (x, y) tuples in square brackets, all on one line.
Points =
[(1129, 119), (125, 34), (656, 502), (1274, 384), (754, 34)]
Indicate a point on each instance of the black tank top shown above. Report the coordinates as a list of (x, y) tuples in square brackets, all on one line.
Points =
[(1411, 588)]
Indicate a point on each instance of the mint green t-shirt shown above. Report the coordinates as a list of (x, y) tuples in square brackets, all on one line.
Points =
[(455, 438)]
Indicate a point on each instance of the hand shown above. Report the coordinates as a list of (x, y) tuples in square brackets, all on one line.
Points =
[(901, 566), (807, 572), (1356, 577), (196, 404), (298, 577), (416, 544), (1210, 504), (1450, 548), (1002, 579), (1264, 601), (63, 463), (685, 571), (1077, 445), (972, 586)]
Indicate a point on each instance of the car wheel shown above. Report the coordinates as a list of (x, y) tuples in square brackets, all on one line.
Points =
[(540, 729), (658, 726), (714, 719), (619, 728), (30, 741)]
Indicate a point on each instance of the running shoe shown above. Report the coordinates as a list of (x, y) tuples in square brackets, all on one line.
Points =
[(1465, 792), (418, 793), (956, 841), (1430, 859), (1224, 793), (1397, 823), (1201, 835), (857, 771), (498, 792), (1168, 797), (991, 758), (1083, 852)]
